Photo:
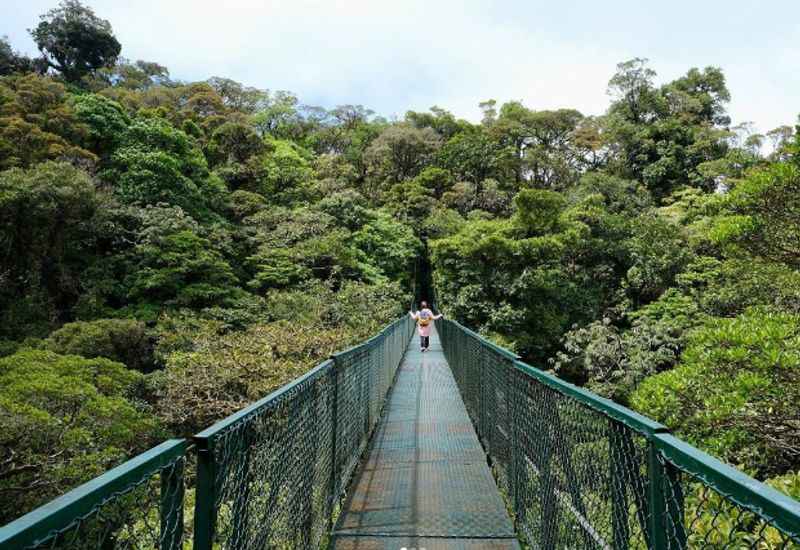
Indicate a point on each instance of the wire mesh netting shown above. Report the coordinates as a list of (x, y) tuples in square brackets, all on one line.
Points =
[(145, 512), (705, 517), (272, 469), (280, 469), (575, 476)]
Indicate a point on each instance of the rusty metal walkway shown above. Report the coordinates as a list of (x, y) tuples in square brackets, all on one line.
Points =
[(425, 483)]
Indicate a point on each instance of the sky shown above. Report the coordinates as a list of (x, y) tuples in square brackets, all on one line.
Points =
[(392, 56)]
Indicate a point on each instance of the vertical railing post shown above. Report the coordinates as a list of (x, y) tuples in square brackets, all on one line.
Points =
[(547, 487), (657, 499), (205, 514), (172, 493), (665, 498)]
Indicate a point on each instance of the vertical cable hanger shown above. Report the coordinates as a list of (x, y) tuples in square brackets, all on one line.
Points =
[(414, 284)]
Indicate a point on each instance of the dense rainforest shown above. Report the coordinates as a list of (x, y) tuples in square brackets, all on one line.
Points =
[(171, 251)]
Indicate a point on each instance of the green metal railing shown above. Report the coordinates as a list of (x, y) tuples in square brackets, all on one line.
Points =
[(270, 476), (580, 471), (138, 504)]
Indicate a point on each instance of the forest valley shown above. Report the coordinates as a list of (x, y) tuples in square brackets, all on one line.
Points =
[(171, 251)]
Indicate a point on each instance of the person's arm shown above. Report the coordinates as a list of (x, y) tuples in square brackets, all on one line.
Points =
[(413, 315), (435, 317)]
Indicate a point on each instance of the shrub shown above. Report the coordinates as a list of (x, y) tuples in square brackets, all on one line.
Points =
[(64, 419), (123, 340), (736, 393), (612, 362)]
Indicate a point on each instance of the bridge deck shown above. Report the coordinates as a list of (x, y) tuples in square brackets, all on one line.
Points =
[(425, 483)]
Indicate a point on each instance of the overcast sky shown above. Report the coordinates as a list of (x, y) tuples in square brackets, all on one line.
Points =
[(411, 54)]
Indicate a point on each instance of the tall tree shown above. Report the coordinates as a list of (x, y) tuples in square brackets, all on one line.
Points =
[(474, 156), (542, 142), (663, 135), (74, 41), (401, 152)]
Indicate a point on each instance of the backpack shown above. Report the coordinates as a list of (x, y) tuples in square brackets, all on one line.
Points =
[(423, 321)]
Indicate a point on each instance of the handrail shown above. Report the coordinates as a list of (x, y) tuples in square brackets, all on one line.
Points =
[(87, 506), (774, 506)]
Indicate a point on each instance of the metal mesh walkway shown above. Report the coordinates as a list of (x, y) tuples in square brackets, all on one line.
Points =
[(425, 482)]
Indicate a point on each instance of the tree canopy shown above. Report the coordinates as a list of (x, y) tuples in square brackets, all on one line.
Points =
[(74, 41), (171, 251)]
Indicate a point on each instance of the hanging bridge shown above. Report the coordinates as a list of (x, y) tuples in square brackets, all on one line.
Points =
[(382, 446)]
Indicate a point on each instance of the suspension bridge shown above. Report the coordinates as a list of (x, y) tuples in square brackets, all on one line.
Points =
[(382, 446)]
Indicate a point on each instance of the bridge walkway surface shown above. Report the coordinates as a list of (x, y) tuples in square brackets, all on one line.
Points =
[(425, 483)]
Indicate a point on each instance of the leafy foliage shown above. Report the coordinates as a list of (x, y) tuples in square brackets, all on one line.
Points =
[(75, 41), (65, 419), (735, 390), (47, 216), (157, 163), (219, 239), (763, 214), (211, 373), (38, 124), (180, 268), (125, 341), (12, 62)]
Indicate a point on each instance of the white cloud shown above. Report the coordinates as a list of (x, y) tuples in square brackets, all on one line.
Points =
[(394, 56)]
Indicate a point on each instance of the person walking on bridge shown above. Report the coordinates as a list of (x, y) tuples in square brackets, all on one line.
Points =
[(424, 318)]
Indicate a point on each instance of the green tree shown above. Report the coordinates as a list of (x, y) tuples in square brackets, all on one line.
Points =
[(613, 361), (74, 41), (439, 120), (735, 392), (388, 245), (105, 119), (224, 371), (474, 156), (542, 142), (125, 341), (65, 419), (37, 124), (238, 97), (657, 253), (761, 214), (234, 143), (512, 277), (47, 229), (410, 201), (401, 152), (662, 135), (278, 115), (156, 163), (12, 62), (179, 268), (287, 172)]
